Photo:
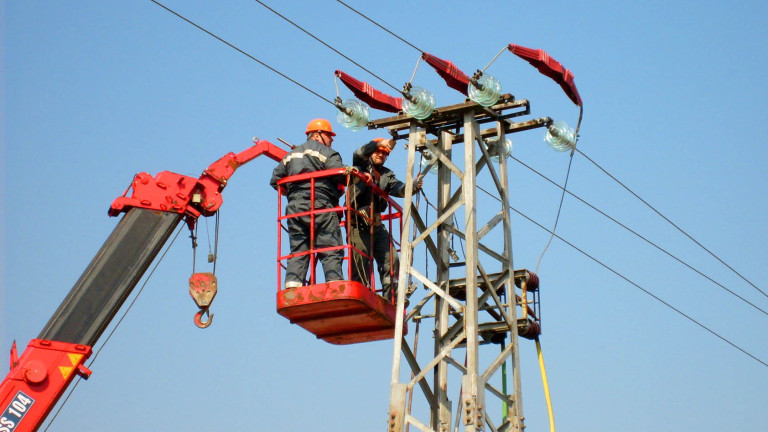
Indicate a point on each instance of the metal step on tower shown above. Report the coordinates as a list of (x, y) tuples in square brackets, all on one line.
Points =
[(477, 312)]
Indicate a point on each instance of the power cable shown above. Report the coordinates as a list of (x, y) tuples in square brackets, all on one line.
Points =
[(380, 26), (557, 217), (630, 281), (531, 220), (242, 52), (326, 45), (607, 267), (560, 206), (671, 223), (581, 153), (640, 236)]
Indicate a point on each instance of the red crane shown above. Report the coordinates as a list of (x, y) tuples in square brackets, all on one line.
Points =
[(340, 312)]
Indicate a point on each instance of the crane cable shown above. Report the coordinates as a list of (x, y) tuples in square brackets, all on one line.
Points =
[(212, 253), (114, 328)]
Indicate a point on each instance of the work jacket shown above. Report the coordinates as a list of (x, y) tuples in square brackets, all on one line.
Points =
[(310, 157), (360, 194)]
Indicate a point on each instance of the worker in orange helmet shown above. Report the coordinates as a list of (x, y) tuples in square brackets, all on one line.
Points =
[(367, 232), (314, 155)]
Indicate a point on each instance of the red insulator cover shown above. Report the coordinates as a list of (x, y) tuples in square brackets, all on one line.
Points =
[(530, 331), (533, 281), (366, 93), (453, 76), (549, 67)]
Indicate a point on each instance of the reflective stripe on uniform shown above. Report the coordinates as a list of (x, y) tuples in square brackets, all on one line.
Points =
[(307, 152)]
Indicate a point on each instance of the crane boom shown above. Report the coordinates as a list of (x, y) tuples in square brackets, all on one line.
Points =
[(157, 205)]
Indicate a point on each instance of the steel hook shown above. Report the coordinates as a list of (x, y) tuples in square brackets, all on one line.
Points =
[(199, 318)]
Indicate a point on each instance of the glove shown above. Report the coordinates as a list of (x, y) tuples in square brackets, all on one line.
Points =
[(350, 169), (390, 143), (417, 184)]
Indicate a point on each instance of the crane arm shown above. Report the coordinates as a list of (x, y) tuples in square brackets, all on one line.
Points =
[(157, 205)]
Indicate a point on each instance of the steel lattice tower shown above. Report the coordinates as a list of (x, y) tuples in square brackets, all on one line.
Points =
[(474, 304)]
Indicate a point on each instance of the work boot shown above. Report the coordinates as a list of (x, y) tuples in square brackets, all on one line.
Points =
[(293, 284)]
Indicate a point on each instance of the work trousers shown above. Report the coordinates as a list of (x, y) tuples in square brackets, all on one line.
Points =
[(327, 234), (387, 261)]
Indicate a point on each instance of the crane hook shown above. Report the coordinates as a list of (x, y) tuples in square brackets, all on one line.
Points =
[(199, 318), (202, 288)]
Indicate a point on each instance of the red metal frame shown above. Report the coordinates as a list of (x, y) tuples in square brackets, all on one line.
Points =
[(37, 380), (394, 213), (339, 312), (176, 193)]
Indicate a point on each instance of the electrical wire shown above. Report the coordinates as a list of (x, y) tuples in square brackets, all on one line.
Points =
[(565, 184), (552, 232), (569, 165), (242, 52), (630, 281), (380, 26), (512, 208), (612, 177), (641, 237), (607, 267), (326, 45), (581, 112), (557, 217), (671, 223)]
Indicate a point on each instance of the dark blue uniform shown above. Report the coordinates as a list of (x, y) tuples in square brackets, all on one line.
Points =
[(309, 157), (372, 238)]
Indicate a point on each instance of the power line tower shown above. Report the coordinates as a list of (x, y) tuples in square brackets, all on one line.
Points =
[(477, 312)]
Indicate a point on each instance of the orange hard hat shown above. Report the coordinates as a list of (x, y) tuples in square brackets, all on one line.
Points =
[(319, 125)]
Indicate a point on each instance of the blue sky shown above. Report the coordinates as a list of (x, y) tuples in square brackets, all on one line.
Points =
[(674, 106)]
